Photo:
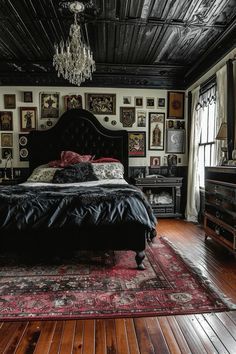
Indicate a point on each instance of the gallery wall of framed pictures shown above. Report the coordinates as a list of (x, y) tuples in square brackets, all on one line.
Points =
[(154, 119)]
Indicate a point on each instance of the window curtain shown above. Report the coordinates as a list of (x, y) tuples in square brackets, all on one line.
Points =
[(193, 195), (221, 107)]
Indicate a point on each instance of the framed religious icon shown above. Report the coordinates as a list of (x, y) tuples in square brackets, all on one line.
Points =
[(49, 105), (6, 120), (175, 105), (155, 161), (72, 101), (28, 96), (28, 118), (101, 103), (137, 144), (6, 139), (138, 101), (175, 141), (127, 116), (10, 101), (156, 129)]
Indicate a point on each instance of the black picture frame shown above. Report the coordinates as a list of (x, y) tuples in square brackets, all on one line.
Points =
[(127, 116), (137, 144), (28, 96), (156, 130), (101, 103)]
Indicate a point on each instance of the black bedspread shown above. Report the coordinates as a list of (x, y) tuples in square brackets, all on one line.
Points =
[(27, 208)]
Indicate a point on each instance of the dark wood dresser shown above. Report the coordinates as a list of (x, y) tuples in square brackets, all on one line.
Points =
[(220, 205)]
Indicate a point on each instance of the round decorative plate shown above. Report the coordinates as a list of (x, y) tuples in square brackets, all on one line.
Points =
[(23, 140), (24, 153)]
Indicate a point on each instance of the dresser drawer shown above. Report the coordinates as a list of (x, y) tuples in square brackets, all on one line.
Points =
[(225, 191), (226, 215), (221, 201), (220, 231)]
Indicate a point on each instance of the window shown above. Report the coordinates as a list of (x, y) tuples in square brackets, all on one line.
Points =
[(207, 132)]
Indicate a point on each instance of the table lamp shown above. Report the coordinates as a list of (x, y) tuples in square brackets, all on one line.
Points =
[(222, 135)]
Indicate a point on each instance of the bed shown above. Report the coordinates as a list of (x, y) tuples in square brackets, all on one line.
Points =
[(85, 214)]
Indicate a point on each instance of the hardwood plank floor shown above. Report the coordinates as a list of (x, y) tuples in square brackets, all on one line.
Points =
[(207, 333)]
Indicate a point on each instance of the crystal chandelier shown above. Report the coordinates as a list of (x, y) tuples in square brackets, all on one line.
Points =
[(73, 60)]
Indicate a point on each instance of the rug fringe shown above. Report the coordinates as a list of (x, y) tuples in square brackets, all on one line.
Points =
[(226, 300)]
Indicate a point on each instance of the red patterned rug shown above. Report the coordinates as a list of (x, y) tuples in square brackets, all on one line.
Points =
[(77, 288)]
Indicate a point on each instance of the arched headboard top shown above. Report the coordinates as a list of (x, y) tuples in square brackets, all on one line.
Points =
[(78, 130)]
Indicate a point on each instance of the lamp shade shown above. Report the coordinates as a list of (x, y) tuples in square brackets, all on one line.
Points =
[(222, 133)]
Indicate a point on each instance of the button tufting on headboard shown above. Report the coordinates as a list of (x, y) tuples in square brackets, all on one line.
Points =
[(78, 130)]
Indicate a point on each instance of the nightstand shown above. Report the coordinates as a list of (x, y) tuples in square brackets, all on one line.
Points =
[(10, 182), (163, 193)]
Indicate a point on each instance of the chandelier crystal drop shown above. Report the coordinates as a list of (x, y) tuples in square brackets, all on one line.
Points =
[(73, 60)]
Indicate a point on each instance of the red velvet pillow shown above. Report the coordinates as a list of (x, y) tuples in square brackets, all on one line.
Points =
[(105, 159), (69, 158)]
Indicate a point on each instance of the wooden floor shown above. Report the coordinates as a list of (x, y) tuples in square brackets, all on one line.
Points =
[(208, 333)]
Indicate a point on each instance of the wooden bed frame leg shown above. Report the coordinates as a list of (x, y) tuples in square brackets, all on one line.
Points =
[(140, 255)]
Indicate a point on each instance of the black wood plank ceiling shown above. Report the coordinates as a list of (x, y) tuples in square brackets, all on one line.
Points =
[(136, 43)]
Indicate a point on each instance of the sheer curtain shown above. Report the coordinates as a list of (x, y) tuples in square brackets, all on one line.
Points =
[(193, 195), (221, 106)]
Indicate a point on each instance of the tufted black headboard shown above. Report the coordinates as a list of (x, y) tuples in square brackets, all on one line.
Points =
[(78, 130)]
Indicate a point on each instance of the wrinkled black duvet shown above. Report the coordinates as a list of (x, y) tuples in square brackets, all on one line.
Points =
[(37, 208)]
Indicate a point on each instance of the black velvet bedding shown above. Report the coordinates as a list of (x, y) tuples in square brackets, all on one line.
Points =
[(27, 208)]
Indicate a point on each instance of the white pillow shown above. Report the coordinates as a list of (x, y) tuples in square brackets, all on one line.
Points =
[(43, 173), (108, 170)]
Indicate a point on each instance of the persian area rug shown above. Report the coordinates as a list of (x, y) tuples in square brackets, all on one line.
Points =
[(86, 286)]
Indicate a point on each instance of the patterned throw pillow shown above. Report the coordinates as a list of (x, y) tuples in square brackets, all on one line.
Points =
[(113, 170), (43, 174), (80, 172)]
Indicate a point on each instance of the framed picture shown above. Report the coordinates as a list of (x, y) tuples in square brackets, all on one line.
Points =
[(10, 101), (156, 128), (137, 144), (138, 101), (175, 141), (176, 124), (6, 120), (28, 96), (175, 105), (72, 101), (28, 117), (49, 104), (127, 116), (155, 161), (141, 118), (161, 102), (6, 139), (150, 102), (6, 152), (126, 99), (101, 103)]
